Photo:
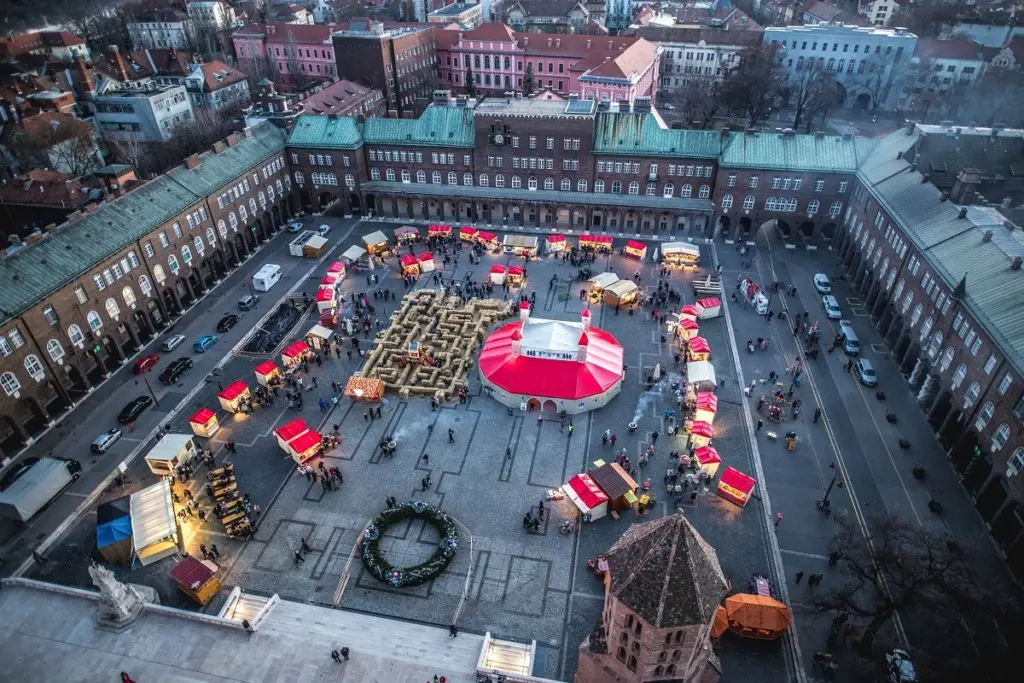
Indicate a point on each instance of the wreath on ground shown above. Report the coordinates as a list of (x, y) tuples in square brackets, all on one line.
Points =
[(400, 577)]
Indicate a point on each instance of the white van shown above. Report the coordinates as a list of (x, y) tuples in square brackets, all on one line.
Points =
[(266, 277)]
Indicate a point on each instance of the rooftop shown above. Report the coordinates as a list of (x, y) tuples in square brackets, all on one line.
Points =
[(644, 133), (136, 94), (444, 126), (789, 151), (41, 187), (217, 75), (325, 132), (338, 97), (828, 13), (536, 108), (547, 8), (843, 29), (958, 48), (453, 10)]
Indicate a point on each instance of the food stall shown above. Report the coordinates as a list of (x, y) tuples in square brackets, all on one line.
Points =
[(761, 617), (354, 253), (336, 269), (688, 329), (294, 354), (497, 274), (735, 486), (697, 349), (376, 243), (753, 295), (468, 233), (681, 254), (439, 231), (616, 483), (319, 337), (329, 282), (708, 460), (711, 307), (598, 243), (155, 532), (289, 431), (171, 451), (407, 234), (515, 276), (315, 247), (706, 407), (410, 265), (701, 433), (487, 240), (701, 375), (690, 312), (520, 245), (555, 243), (196, 579), (305, 447), (587, 496), (204, 423), (233, 395), (635, 249), (267, 373), (365, 388), (426, 260), (601, 282), (326, 300), (622, 292)]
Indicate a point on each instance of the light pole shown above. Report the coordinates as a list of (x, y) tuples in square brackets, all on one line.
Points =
[(156, 401), (828, 491)]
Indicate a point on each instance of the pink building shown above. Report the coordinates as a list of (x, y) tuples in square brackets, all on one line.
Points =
[(593, 67), (281, 49)]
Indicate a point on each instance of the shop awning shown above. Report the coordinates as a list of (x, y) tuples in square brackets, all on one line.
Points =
[(702, 428), (585, 493), (406, 230), (516, 270), (735, 486), (757, 616), (707, 401), (153, 522), (290, 430), (439, 229), (498, 269), (690, 309), (365, 388), (709, 302), (295, 349), (328, 280), (265, 368), (596, 239), (486, 236), (303, 442), (706, 455), (613, 480), (233, 390), (202, 416), (635, 245), (467, 231), (622, 288), (700, 345), (374, 238), (555, 239), (604, 280), (336, 267), (354, 253), (325, 295), (408, 260), (425, 256), (680, 248), (700, 372), (688, 324), (320, 331)]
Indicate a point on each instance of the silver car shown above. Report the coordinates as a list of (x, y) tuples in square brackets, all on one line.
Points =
[(831, 307), (822, 284), (866, 373), (172, 342), (105, 441)]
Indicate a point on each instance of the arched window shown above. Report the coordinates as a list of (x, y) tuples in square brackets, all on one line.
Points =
[(812, 206), (406, 176), (263, 199), (350, 180), (113, 310), (374, 174), (200, 247), (421, 177), (1016, 463), (634, 187), (916, 315), (94, 320), (599, 186), (947, 359), (467, 179), (499, 180), (222, 229), (172, 263), (566, 185), (128, 294), (389, 173), (158, 274), (549, 183), (581, 185), (211, 237), (669, 190), (10, 383), (926, 328), (748, 202), (517, 181), (252, 206), (1001, 436), (453, 178), (686, 191), (531, 183), (892, 278), (34, 367), (935, 345), (835, 209), (986, 413), (616, 187), (298, 178), (705, 191), (959, 375), (484, 181), (233, 221), (899, 289), (972, 394), (243, 215), (55, 350), (726, 202), (907, 300), (435, 177), (75, 334), (186, 255)]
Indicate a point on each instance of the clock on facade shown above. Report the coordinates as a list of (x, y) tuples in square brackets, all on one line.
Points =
[(499, 139)]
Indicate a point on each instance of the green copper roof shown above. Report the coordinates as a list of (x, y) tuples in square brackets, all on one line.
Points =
[(325, 132), (217, 170), (633, 134), (437, 127), (826, 153)]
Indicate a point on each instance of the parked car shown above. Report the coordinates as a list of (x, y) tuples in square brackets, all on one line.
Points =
[(866, 372), (227, 322), (175, 370), (323, 230), (295, 226), (146, 363), (104, 441), (831, 307), (172, 342), (204, 343), (248, 302), (822, 284), (132, 411)]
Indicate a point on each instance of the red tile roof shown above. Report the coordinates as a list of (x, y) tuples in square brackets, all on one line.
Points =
[(37, 40), (51, 127), (191, 572), (44, 188), (337, 98), (217, 75), (958, 48), (306, 34)]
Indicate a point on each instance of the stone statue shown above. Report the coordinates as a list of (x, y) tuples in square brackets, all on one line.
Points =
[(120, 604)]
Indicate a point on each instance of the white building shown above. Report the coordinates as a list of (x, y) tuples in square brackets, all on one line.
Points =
[(215, 85), (146, 116), (215, 14), (938, 67), (161, 28), (869, 63), (879, 12)]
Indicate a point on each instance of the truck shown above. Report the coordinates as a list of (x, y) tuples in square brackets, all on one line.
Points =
[(33, 483), (266, 277), (295, 247)]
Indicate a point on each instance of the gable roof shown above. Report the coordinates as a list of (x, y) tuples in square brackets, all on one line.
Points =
[(337, 98), (325, 132), (548, 8), (667, 573), (217, 75), (827, 153), (437, 126), (40, 187), (957, 48), (643, 133)]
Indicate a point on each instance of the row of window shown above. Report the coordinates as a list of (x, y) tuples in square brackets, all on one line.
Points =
[(783, 204), (782, 183)]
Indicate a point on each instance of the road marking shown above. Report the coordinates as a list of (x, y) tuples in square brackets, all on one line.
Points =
[(76, 494), (813, 556)]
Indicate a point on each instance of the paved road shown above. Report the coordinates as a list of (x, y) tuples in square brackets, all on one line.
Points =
[(98, 412)]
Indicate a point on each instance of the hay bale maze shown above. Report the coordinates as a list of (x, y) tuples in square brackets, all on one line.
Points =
[(427, 349)]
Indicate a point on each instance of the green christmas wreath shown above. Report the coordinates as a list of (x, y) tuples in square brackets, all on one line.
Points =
[(400, 577)]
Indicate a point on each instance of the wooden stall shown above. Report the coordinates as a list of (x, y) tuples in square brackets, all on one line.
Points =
[(616, 483), (735, 486), (305, 447), (376, 243), (426, 260), (468, 233), (196, 579), (234, 395), (697, 349), (488, 240), (497, 274), (706, 407), (622, 292), (710, 307), (701, 433), (204, 423), (319, 337), (439, 231), (680, 254), (337, 269), (410, 265), (635, 249), (515, 276), (289, 431), (267, 373), (407, 234), (520, 245), (708, 460), (598, 243), (365, 389), (295, 354), (556, 244)]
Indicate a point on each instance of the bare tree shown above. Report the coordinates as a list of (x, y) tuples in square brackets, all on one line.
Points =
[(697, 101), (755, 86), (132, 152), (297, 78), (262, 11), (66, 145), (927, 20), (811, 92), (997, 97), (876, 77)]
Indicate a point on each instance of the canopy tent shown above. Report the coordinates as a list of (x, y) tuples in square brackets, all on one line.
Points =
[(596, 242), (329, 281), (497, 274), (708, 460), (354, 253), (637, 250), (689, 328), (426, 260), (757, 616), (365, 388), (680, 254), (326, 299), (375, 241), (690, 312), (266, 372), (169, 452), (701, 374), (204, 423), (711, 307), (337, 268), (154, 526), (294, 353), (114, 531), (735, 486), (407, 233), (468, 233), (621, 292), (515, 275), (702, 429), (305, 446), (487, 238), (439, 230), (555, 243), (289, 431), (520, 245), (319, 336), (233, 395), (603, 280), (697, 348), (721, 623), (707, 406), (587, 496)]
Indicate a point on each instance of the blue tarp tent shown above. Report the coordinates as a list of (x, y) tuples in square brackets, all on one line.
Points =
[(114, 531)]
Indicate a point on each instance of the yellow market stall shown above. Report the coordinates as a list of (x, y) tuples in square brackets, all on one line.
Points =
[(376, 243), (319, 337), (267, 373), (621, 292), (169, 452), (680, 254)]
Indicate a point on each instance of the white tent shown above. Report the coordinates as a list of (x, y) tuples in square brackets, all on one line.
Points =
[(375, 238), (603, 280), (354, 253), (172, 450), (681, 249), (702, 374), (154, 527)]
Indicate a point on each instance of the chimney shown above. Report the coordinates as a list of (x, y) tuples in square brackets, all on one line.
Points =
[(585, 319), (360, 119), (51, 228), (588, 43), (986, 236), (231, 140), (218, 147), (192, 161), (962, 213), (911, 126), (392, 113), (115, 57), (247, 132), (524, 311), (271, 29), (1009, 226), (1016, 263), (84, 76), (550, 40)]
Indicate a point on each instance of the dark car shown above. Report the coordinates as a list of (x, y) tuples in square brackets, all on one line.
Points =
[(131, 411), (227, 322), (175, 370)]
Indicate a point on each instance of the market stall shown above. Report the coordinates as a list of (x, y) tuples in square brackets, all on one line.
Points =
[(682, 254), (701, 375), (326, 300), (204, 423), (267, 373), (407, 234), (735, 486), (497, 274), (520, 245), (114, 531), (354, 253), (706, 407), (601, 282), (319, 337), (598, 243), (587, 496), (426, 260), (708, 460), (315, 247), (721, 623), (155, 531), (295, 353), (305, 447), (439, 231), (515, 276), (622, 292), (376, 243), (169, 452), (635, 249), (234, 395), (196, 579), (336, 269), (289, 431), (410, 265), (701, 433), (616, 483), (365, 388), (329, 282), (697, 349), (555, 243), (711, 307), (688, 329), (488, 240), (690, 312), (468, 233)]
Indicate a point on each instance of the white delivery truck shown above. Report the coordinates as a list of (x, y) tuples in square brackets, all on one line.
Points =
[(296, 245), (34, 483), (266, 277)]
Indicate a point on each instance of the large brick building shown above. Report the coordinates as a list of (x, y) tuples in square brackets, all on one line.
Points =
[(79, 298)]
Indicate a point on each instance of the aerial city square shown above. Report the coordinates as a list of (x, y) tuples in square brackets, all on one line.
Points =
[(518, 341)]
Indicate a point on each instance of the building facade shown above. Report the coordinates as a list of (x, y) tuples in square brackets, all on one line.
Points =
[(160, 28), (879, 12), (869, 63), (217, 86), (143, 115), (63, 45), (554, 16), (118, 272), (939, 67), (289, 54), (466, 15), (214, 14)]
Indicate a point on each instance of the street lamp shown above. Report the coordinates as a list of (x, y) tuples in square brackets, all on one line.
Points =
[(828, 491), (156, 401)]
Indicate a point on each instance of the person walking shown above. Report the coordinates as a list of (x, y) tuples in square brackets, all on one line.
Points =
[(800, 575), (205, 552), (336, 656), (453, 631), (344, 653), (426, 458), (817, 414), (833, 558), (214, 551), (451, 435), (613, 439), (305, 546), (778, 518), (760, 423), (299, 559)]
